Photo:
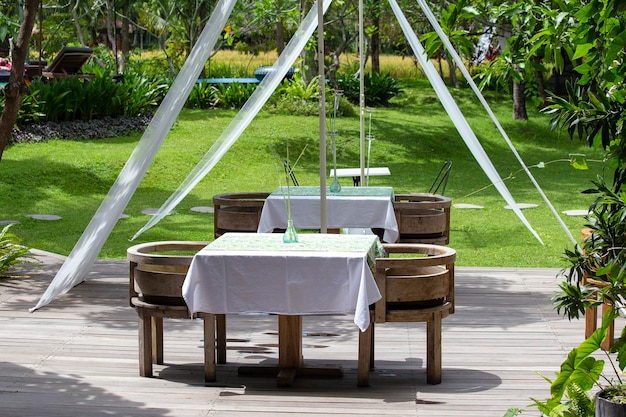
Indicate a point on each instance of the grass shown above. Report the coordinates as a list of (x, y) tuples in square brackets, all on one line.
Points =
[(413, 138)]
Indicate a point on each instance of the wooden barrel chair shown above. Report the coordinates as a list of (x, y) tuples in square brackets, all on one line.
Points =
[(416, 287), (423, 218), (237, 212), (155, 292)]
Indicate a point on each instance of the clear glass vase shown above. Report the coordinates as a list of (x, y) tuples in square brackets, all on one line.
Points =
[(335, 187), (290, 235)]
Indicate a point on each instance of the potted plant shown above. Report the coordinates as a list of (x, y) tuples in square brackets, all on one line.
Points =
[(594, 109), (597, 276), (584, 385)]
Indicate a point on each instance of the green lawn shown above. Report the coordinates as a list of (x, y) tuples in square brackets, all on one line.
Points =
[(413, 138)]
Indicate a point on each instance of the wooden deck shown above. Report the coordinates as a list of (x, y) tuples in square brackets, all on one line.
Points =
[(78, 356)]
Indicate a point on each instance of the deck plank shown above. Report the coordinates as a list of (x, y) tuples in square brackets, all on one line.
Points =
[(78, 356)]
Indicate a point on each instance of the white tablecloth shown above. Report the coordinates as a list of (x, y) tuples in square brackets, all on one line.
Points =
[(352, 207), (250, 272)]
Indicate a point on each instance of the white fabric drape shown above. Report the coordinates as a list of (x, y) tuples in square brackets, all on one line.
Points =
[(249, 110), (82, 256), (461, 65), (457, 116), (86, 250)]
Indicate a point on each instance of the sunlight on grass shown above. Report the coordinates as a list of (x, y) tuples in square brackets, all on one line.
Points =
[(413, 138)]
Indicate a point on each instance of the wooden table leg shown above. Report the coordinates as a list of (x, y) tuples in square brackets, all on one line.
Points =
[(289, 348), (290, 359)]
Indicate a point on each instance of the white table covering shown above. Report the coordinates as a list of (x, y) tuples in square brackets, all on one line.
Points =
[(352, 207), (248, 272), (356, 172)]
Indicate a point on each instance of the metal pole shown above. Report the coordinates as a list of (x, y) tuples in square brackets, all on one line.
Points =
[(322, 114)]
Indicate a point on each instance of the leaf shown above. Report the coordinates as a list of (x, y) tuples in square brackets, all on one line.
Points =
[(580, 368), (581, 50), (578, 161)]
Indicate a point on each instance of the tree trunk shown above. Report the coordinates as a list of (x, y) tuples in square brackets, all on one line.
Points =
[(125, 35), (111, 27), (16, 88), (375, 44), (79, 31), (519, 101), (280, 36), (541, 89), (454, 81)]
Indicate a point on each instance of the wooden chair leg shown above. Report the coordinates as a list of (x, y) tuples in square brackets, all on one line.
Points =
[(145, 345), (591, 321), (221, 338), (365, 350), (608, 341), (157, 340), (433, 349), (209, 347), (372, 340)]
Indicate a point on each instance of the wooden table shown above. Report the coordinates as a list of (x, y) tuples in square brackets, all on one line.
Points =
[(352, 207), (321, 274)]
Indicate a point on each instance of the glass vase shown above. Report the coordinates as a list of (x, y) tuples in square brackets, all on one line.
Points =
[(335, 187), (290, 235)]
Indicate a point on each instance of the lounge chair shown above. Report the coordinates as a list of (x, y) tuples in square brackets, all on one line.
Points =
[(68, 62)]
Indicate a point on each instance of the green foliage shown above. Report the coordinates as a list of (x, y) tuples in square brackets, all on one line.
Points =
[(71, 99), (287, 105), (152, 64), (571, 392), (454, 20), (202, 96), (217, 69), (296, 89), (11, 251), (379, 89), (233, 95), (296, 97), (29, 109), (597, 118), (141, 94), (602, 256)]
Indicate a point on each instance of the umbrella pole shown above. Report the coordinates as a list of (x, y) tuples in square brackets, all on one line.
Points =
[(361, 94), (322, 114)]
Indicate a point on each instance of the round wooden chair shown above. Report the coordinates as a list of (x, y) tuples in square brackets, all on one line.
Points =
[(155, 292), (423, 218), (417, 287), (237, 212)]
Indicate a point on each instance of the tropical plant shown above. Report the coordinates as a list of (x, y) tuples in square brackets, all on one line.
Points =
[(594, 110), (453, 20), (11, 251), (379, 88), (596, 276), (233, 95), (202, 96), (141, 93), (297, 89)]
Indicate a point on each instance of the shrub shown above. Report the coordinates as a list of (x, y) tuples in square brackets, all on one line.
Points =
[(202, 96), (295, 97), (296, 89), (234, 95), (141, 94), (379, 89), (71, 99)]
